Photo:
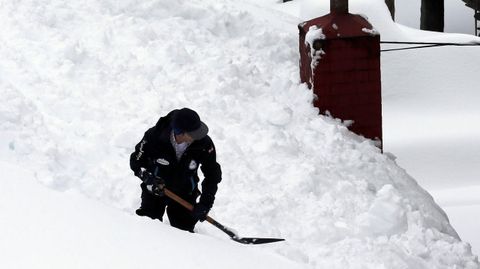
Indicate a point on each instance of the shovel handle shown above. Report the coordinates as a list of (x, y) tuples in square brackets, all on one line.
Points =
[(184, 203)]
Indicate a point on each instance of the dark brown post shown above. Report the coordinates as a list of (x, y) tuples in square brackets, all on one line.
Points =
[(475, 5), (339, 6), (391, 7), (432, 15)]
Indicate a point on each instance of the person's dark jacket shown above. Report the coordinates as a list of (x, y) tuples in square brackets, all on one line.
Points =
[(156, 154)]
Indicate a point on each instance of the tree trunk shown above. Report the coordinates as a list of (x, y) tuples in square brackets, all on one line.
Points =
[(432, 15), (339, 6), (391, 6)]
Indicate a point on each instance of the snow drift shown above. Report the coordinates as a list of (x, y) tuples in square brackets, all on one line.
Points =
[(81, 82)]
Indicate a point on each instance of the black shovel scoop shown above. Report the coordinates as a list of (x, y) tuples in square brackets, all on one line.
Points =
[(233, 235)]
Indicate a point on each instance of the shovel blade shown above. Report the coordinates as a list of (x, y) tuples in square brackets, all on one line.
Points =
[(256, 241), (229, 232)]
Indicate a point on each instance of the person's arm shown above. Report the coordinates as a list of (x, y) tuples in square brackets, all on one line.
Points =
[(213, 175), (140, 158)]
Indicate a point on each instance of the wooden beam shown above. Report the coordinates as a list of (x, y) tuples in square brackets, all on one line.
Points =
[(391, 7), (432, 15), (339, 6)]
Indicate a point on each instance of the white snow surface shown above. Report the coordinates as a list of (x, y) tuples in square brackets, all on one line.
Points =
[(81, 81), (67, 230)]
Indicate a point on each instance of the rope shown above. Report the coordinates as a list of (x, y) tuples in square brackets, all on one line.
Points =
[(423, 45)]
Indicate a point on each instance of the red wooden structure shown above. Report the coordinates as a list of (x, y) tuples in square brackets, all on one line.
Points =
[(340, 59)]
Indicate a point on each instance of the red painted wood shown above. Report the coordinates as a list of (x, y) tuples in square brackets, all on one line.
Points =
[(347, 78)]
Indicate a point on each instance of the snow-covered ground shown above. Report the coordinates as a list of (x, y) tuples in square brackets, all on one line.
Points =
[(81, 82), (43, 228), (434, 130), (430, 110)]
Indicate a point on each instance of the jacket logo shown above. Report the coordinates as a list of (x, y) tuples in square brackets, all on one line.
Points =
[(162, 161), (140, 150), (192, 165)]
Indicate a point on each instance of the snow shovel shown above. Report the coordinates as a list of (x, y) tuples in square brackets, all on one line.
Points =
[(233, 235)]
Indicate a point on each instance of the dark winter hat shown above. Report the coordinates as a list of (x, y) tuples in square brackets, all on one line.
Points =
[(187, 121)]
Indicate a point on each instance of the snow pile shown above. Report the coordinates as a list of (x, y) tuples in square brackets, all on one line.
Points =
[(81, 82), (313, 35), (67, 230)]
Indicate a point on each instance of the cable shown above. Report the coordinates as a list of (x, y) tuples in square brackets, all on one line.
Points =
[(409, 48), (429, 43), (423, 45)]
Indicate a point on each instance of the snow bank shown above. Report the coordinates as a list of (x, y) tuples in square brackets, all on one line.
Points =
[(82, 82), (375, 10), (66, 230)]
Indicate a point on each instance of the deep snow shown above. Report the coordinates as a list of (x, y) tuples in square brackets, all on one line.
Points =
[(82, 81), (67, 230), (430, 99)]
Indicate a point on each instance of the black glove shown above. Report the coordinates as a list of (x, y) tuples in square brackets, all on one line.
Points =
[(139, 173), (154, 184), (200, 212)]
